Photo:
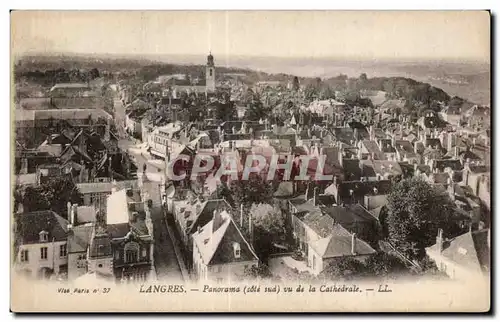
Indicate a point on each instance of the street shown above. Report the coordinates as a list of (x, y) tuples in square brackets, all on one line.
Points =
[(166, 264)]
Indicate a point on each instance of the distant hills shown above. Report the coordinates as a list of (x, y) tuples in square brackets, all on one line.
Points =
[(470, 80)]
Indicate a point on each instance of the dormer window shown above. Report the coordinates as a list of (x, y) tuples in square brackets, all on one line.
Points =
[(237, 250), (44, 236)]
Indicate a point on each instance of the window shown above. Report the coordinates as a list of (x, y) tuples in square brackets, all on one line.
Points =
[(237, 250), (131, 252), (63, 251), (314, 262), (144, 252), (44, 236), (43, 253), (219, 280), (130, 256), (24, 255)]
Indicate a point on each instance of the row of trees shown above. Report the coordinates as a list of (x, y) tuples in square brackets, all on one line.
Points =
[(60, 75)]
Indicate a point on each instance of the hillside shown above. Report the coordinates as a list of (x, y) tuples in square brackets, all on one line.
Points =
[(46, 69)]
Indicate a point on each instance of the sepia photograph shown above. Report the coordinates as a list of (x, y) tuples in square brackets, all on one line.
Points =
[(250, 161)]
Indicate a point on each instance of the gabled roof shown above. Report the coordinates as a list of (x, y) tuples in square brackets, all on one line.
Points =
[(362, 188), (206, 213), (105, 187), (79, 238), (470, 250), (348, 215), (372, 148), (405, 148), (339, 243), (316, 220), (383, 167), (216, 245), (454, 164), (29, 225)]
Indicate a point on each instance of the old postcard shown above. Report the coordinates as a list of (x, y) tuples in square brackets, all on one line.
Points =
[(250, 161)]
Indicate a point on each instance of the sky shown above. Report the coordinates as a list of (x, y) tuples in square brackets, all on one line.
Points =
[(327, 34)]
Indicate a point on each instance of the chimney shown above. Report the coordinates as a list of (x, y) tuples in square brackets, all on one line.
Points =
[(439, 240), (353, 244), (82, 172), (241, 215), (315, 196), (74, 214), (217, 220), (24, 166), (393, 141), (198, 229), (341, 155), (69, 207)]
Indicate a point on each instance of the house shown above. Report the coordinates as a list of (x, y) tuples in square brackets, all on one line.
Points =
[(318, 232), (431, 122), (220, 251), (78, 244), (133, 122), (96, 193), (122, 244), (339, 243), (190, 213), (352, 192), (69, 90), (161, 140), (41, 244), (32, 126), (370, 150), (405, 152), (465, 257), (356, 219)]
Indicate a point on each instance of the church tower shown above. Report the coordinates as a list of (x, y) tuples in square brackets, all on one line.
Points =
[(210, 74)]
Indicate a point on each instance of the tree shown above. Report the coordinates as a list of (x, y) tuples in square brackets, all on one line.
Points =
[(416, 211), (268, 227), (311, 92), (53, 194), (256, 111), (327, 93), (253, 190), (362, 82), (94, 73), (383, 264), (345, 267), (261, 271)]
